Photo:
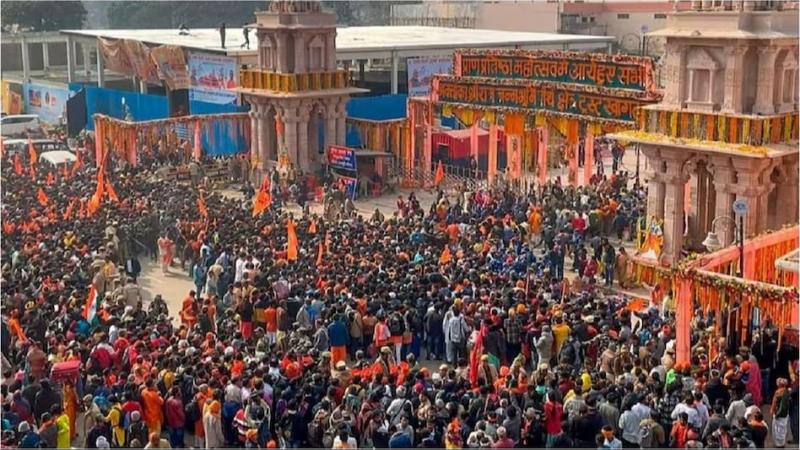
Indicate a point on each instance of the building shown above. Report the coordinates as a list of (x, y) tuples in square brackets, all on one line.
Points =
[(726, 129)]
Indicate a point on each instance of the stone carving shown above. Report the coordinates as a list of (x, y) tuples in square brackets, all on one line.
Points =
[(294, 6)]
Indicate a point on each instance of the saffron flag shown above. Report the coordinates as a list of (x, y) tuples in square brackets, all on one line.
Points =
[(201, 205), (51, 179), (68, 211), (112, 194), (42, 197), (320, 253), (92, 305), (635, 305), (446, 256), (439, 176), (18, 169), (291, 251), (312, 227), (32, 153), (263, 199)]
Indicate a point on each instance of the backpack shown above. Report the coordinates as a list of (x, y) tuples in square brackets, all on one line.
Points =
[(192, 412), (647, 437), (397, 325)]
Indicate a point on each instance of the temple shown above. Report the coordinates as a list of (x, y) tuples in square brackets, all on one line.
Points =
[(726, 129), (297, 95)]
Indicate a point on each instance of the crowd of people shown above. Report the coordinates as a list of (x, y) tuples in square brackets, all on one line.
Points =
[(305, 332)]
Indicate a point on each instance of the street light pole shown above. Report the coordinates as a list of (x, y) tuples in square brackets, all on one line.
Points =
[(741, 246)]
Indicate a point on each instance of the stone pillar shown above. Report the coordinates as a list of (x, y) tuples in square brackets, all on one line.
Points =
[(748, 188), (268, 125), (674, 75), (26, 62), (675, 185), (70, 60), (395, 70), (254, 134), (46, 56), (724, 181), (700, 206), (300, 57), (282, 50), (787, 196), (290, 121), (101, 75), (330, 51), (734, 68), (303, 139), (330, 124), (341, 122), (655, 183), (766, 81)]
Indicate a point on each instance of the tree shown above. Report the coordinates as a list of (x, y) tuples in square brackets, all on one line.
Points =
[(43, 16)]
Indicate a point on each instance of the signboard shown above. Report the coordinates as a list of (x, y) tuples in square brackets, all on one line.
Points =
[(341, 157), (740, 207), (211, 76), (420, 71), (50, 103), (592, 69), (532, 95), (349, 184)]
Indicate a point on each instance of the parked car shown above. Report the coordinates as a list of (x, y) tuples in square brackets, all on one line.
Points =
[(14, 146), (57, 158), (20, 125)]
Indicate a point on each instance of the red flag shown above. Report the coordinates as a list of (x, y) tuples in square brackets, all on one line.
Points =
[(51, 179), (439, 177), (201, 205), (475, 356), (263, 199), (32, 153), (42, 197), (18, 169), (291, 237)]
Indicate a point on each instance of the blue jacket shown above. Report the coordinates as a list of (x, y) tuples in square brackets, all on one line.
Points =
[(338, 334)]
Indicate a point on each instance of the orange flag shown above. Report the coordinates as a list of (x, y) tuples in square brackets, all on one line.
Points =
[(312, 227), (201, 205), (8, 227), (18, 169), (112, 194), (76, 165), (320, 252), (635, 305), (263, 199), (446, 256), (68, 211), (32, 153), (51, 178), (439, 177), (291, 251), (42, 197)]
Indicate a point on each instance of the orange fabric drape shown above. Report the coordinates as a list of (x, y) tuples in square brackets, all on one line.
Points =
[(492, 163), (291, 237), (683, 319), (514, 124)]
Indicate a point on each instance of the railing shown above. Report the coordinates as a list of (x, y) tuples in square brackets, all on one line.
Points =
[(291, 82)]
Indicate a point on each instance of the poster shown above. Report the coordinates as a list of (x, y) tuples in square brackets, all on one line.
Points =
[(210, 77), (12, 101), (341, 157), (171, 66), (421, 70), (50, 103)]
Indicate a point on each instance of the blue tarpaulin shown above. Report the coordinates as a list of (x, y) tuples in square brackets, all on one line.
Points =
[(382, 107)]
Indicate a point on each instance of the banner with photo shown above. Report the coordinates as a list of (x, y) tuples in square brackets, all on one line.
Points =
[(171, 66), (420, 71), (211, 77), (49, 103)]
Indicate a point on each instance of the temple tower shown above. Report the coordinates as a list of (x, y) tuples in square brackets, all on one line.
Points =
[(297, 95), (726, 129)]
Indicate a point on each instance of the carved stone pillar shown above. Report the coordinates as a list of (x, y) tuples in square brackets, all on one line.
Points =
[(734, 68), (675, 184), (341, 122), (787, 195), (766, 81), (675, 82), (330, 51), (748, 188), (655, 184), (282, 52), (724, 181), (290, 121), (269, 132), (330, 124), (299, 53), (255, 152), (303, 153)]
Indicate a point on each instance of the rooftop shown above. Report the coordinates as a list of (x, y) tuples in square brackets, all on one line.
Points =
[(362, 42)]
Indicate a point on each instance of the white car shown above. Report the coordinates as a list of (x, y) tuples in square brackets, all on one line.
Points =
[(57, 158), (20, 125), (15, 146)]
